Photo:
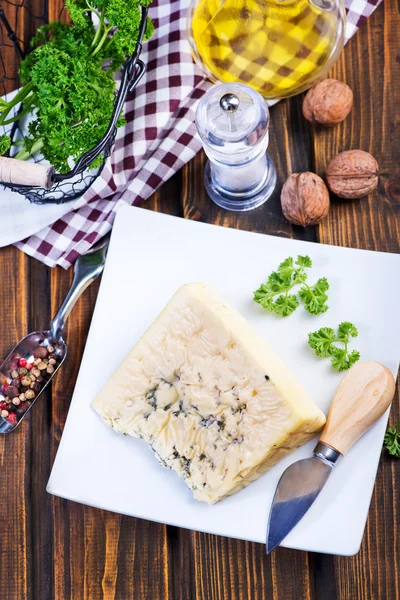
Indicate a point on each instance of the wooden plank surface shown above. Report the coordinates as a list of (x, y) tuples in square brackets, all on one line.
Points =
[(54, 549)]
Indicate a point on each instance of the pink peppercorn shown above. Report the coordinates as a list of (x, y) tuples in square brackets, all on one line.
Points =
[(12, 417), (3, 406), (22, 362), (29, 366)]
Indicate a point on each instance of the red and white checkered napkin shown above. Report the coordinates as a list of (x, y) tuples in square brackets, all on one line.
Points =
[(158, 139)]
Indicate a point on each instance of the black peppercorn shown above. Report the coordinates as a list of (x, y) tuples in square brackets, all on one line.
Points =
[(40, 352), (12, 391)]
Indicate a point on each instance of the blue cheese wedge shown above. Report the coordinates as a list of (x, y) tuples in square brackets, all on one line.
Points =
[(209, 395)]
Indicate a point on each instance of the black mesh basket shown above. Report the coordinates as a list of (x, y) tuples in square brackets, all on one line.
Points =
[(14, 18)]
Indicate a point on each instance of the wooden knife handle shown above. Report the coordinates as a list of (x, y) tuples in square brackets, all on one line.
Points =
[(363, 395), (21, 172)]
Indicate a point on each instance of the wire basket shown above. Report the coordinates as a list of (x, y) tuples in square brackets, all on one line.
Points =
[(67, 186)]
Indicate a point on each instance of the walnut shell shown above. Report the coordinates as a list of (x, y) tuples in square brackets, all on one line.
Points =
[(305, 199), (328, 103), (352, 174)]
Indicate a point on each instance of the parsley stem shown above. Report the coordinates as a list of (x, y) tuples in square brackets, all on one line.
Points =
[(94, 11), (309, 288), (97, 35), (24, 154), (107, 45), (341, 341), (103, 39), (19, 97), (20, 114), (272, 294)]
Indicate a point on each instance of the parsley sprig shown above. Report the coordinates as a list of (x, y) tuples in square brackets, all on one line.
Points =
[(325, 340), (392, 440), (274, 295)]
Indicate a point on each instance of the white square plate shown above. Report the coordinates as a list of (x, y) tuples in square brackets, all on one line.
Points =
[(150, 256)]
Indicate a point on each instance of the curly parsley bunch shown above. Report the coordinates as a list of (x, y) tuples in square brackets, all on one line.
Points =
[(68, 78)]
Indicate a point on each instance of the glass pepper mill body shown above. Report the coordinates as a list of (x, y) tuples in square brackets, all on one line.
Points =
[(278, 47), (232, 121)]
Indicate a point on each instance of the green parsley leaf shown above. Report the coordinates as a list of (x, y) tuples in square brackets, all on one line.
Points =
[(345, 330), (343, 360), (324, 343), (263, 296), (285, 269), (304, 261), (392, 441), (321, 341), (286, 304), (5, 144), (315, 297)]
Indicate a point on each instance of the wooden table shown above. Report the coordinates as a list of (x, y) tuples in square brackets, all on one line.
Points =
[(54, 549)]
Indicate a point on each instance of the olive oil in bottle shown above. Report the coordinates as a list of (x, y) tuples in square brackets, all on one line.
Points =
[(278, 47)]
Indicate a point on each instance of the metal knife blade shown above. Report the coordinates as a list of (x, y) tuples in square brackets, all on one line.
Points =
[(297, 489)]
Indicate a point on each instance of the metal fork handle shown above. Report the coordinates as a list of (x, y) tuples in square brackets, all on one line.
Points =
[(87, 268)]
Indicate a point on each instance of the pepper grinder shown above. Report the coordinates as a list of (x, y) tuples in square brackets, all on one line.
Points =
[(232, 120)]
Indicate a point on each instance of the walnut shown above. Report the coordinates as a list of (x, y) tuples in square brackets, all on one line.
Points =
[(328, 103), (304, 199), (352, 174)]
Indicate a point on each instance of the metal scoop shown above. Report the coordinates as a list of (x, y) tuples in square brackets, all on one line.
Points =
[(87, 268)]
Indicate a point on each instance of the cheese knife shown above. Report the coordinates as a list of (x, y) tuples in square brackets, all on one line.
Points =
[(363, 395)]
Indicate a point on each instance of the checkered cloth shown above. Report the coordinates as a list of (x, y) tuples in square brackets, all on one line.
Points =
[(158, 139)]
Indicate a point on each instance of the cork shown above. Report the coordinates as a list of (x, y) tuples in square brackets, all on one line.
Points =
[(20, 172)]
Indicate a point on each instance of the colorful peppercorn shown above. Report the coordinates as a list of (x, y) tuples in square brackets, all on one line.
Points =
[(28, 376)]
